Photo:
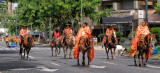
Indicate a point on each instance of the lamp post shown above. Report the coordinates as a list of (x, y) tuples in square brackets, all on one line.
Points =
[(146, 9), (81, 14)]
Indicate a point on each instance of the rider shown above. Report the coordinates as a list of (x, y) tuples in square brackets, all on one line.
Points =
[(23, 32), (55, 34), (66, 31), (85, 32), (141, 30), (7, 39), (110, 31)]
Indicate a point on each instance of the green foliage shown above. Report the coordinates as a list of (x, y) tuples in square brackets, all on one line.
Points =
[(101, 35), (119, 34), (122, 41), (131, 34), (157, 8)]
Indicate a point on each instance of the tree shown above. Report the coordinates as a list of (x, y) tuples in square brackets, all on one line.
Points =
[(157, 8), (39, 12)]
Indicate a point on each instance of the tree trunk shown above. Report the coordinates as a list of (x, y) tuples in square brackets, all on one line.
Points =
[(46, 31)]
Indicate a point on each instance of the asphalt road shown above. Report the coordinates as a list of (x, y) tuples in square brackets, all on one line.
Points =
[(41, 61)]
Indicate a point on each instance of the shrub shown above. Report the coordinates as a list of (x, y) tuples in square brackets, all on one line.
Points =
[(119, 34), (101, 35), (130, 35), (121, 42)]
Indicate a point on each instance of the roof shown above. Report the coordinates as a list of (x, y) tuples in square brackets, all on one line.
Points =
[(115, 20)]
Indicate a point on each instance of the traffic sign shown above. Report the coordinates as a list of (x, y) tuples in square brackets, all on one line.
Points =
[(140, 13)]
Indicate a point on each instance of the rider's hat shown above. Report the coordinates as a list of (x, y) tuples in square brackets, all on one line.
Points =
[(68, 25), (58, 28), (110, 26), (24, 25)]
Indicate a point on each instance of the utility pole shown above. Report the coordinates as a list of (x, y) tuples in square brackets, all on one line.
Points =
[(50, 28), (81, 14), (146, 9)]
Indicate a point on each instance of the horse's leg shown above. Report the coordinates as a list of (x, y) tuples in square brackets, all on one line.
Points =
[(111, 52), (70, 56), (135, 60), (146, 60), (56, 51), (52, 50), (59, 50), (88, 57), (106, 52), (24, 52), (28, 53), (78, 60), (139, 58), (142, 59), (114, 49), (83, 57), (64, 52)]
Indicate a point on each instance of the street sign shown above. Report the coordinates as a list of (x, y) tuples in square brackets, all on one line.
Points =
[(140, 13)]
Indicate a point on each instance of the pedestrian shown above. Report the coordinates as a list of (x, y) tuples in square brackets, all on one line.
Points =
[(7, 40)]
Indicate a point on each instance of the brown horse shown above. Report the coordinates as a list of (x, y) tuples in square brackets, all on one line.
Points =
[(57, 44), (27, 44), (143, 46), (110, 44), (70, 41), (85, 44)]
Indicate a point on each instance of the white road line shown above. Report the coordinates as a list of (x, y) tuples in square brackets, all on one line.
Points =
[(12, 48), (94, 66), (7, 48), (110, 63), (152, 66), (31, 57), (43, 68), (1, 49), (55, 64), (19, 69)]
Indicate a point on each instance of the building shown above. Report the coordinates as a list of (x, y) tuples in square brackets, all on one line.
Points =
[(124, 16), (2, 2)]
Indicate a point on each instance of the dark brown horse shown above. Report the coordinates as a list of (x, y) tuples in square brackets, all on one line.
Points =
[(27, 44), (143, 45), (57, 44), (110, 44), (70, 41), (85, 44)]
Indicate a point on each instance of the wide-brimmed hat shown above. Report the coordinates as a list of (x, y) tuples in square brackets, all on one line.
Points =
[(68, 25), (110, 25), (24, 25), (57, 28)]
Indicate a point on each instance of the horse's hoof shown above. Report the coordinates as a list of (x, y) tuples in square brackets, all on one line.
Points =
[(135, 64), (139, 64), (107, 58), (83, 64), (28, 59), (78, 64), (70, 58), (144, 64)]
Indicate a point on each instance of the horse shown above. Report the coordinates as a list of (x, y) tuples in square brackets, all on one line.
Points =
[(143, 45), (57, 44), (110, 44), (27, 44), (85, 44), (69, 43)]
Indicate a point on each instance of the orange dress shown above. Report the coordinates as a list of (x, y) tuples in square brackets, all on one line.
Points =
[(140, 30), (83, 32), (108, 32)]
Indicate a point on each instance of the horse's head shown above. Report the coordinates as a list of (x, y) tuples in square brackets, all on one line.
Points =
[(148, 39), (30, 41)]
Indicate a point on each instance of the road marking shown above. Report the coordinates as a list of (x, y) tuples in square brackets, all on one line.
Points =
[(7, 49), (110, 63), (94, 66), (55, 64), (152, 66), (19, 69), (43, 68), (31, 57), (13, 49)]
